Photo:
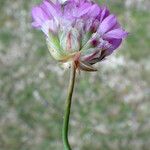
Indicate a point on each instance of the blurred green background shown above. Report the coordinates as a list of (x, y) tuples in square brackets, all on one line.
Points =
[(110, 109)]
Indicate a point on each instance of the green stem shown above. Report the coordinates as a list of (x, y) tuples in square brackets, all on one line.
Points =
[(67, 109)]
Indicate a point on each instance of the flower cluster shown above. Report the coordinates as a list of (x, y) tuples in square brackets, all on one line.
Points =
[(78, 30)]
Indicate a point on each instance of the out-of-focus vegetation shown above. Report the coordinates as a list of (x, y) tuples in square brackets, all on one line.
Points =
[(110, 109)]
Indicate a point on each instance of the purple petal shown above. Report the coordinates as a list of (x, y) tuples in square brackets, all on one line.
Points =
[(116, 34), (53, 9), (107, 24), (104, 14), (115, 44), (94, 11), (46, 10), (82, 10), (38, 16)]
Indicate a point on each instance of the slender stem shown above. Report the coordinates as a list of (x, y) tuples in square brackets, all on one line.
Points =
[(67, 109)]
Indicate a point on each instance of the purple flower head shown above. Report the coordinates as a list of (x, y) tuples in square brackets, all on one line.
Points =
[(78, 30)]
